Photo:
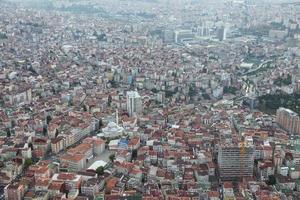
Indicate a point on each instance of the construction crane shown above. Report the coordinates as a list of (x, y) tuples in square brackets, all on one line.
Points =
[(242, 158)]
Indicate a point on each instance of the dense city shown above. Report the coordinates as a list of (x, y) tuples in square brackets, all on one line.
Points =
[(149, 100)]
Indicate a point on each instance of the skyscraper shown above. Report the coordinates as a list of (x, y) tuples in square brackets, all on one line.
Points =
[(134, 103), (235, 161), (222, 33)]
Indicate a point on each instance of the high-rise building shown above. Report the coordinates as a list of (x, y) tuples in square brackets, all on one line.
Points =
[(14, 192), (297, 86), (134, 103), (288, 120), (236, 161), (183, 35), (168, 36), (222, 33)]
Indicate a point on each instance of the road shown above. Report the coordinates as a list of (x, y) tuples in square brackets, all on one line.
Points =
[(260, 66)]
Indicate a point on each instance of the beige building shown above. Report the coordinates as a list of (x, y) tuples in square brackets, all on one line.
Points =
[(288, 120), (58, 144)]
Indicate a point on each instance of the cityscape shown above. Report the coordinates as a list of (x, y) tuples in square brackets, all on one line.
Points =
[(149, 100)]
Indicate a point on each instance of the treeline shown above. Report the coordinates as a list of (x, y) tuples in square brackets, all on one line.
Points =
[(271, 102)]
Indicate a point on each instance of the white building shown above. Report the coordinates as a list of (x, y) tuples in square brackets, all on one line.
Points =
[(112, 130), (134, 103)]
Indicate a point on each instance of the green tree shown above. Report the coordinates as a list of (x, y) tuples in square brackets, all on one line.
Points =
[(134, 154), (112, 157), (45, 131), (28, 162), (30, 145), (48, 119), (56, 133), (271, 180), (109, 100), (100, 171), (100, 123), (8, 133), (13, 123), (154, 90), (85, 108), (192, 90)]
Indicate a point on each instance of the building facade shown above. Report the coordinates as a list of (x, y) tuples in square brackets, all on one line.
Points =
[(235, 161), (288, 120), (134, 103)]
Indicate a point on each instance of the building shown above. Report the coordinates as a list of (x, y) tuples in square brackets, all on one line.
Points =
[(168, 36), (14, 192), (97, 143), (183, 35), (222, 33), (58, 144), (227, 190), (112, 130), (235, 161), (134, 103), (19, 95), (71, 180), (90, 187), (288, 120), (98, 163), (278, 34), (73, 162)]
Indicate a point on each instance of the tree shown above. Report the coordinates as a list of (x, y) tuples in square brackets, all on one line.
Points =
[(64, 189), (27, 162), (109, 100), (143, 178), (134, 154), (154, 90), (113, 83), (271, 180), (192, 91), (48, 119), (100, 123), (56, 133), (230, 90), (44, 131), (85, 108), (112, 157), (13, 123), (8, 133), (30, 145), (169, 93), (100, 171)]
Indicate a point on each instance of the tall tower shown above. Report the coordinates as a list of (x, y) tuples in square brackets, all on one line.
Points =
[(236, 161), (134, 103)]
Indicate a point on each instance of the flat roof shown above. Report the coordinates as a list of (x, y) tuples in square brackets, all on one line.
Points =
[(98, 163)]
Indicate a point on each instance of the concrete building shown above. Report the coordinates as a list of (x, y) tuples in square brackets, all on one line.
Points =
[(235, 161), (97, 143), (14, 192), (222, 33), (134, 103), (112, 130), (183, 35), (90, 187), (73, 162), (288, 120), (58, 144), (168, 36)]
